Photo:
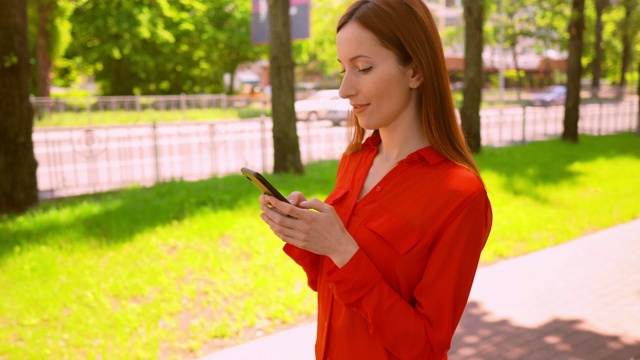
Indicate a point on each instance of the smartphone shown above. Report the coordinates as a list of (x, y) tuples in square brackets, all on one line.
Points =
[(261, 183)]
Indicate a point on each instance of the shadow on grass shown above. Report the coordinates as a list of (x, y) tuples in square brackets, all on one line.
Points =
[(116, 217), (480, 337), (525, 167)]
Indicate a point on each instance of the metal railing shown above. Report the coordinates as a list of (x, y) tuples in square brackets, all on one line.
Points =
[(87, 159), (78, 160), (92, 106)]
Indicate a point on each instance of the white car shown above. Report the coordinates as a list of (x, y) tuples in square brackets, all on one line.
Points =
[(323, 105), (552, 95)]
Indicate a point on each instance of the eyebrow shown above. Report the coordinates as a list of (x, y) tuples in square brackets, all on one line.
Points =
[(356, 57)]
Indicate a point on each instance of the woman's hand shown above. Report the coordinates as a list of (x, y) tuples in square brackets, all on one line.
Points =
[(309, 224), (295, 198)]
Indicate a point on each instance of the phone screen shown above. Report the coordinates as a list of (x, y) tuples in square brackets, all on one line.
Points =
[(261, 183)]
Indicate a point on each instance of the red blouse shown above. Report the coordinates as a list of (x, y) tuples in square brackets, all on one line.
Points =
[(420, 230)]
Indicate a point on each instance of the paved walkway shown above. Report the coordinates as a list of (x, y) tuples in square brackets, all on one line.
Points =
[(578, 300)]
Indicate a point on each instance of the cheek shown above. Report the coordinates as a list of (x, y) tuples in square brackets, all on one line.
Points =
[(389, 89)]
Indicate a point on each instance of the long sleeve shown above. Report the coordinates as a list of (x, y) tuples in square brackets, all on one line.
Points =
[(422, 329), (308, 261), (420, 232)]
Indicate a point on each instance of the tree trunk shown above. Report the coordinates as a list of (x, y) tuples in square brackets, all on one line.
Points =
[(285, 135), (626, 45), (18, 183), (574, 72), (43, 59), (517, 68), (596, 65), (232, 79), (472, 92)]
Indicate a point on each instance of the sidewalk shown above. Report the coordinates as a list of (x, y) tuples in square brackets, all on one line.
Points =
[(578, 300)]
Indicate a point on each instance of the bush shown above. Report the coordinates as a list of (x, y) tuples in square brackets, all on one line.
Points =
[(252, 112)]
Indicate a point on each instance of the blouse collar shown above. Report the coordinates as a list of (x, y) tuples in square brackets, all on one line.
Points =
[(428, 152)]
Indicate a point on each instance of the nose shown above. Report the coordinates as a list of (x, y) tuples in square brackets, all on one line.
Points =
[(347, 89)]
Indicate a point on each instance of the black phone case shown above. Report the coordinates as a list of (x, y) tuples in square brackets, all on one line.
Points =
[(261, 183)]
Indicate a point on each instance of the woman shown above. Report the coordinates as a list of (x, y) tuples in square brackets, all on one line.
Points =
[(393, 250)]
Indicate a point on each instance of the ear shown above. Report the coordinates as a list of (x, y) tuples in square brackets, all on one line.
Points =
[(415, 79)]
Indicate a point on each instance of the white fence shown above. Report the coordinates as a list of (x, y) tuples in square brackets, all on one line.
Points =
[(78, 160)]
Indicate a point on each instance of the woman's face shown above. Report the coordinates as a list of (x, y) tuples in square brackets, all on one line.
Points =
[(380, 90)]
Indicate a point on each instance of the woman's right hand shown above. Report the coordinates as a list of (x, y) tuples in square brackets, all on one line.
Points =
[(295, 198)]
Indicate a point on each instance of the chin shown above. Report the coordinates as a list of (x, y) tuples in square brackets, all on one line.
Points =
[(366, 124)]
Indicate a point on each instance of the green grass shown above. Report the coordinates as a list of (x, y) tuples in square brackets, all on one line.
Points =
[(122, 117), (545, 193), (181, 268)]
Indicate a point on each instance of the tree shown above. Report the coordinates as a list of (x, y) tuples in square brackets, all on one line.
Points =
[(161, 47), (574, 72), (544, 32), (43, 52), (316, 57), (233, 40), (628, 35), (515, 23), (49, 35), (285, 135), (472, 93), (596, 64), (18, 183), (619, 26)]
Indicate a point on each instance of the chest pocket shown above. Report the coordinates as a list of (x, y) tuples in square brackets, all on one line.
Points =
[(395, 230), (337, 200)]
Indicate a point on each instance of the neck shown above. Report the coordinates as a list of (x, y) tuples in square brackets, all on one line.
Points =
[(397, 144)]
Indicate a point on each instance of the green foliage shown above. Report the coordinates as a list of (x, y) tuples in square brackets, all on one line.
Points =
[(525, 18), (173, 270), (9, 60), (161, 47), (171, 47), (253, 112), (316, 57), (50, 30), (615, 25), (546, 23), (79, 117)]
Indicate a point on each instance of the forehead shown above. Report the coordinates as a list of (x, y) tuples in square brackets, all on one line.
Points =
[(354, 40)]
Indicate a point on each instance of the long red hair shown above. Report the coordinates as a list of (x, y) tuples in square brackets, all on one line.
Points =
[(407, 28)]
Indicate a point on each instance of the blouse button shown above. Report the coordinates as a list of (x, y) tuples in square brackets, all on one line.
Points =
[(378, 188), (330, 285)]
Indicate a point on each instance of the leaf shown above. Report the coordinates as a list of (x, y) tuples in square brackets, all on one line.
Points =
[(9, 60)]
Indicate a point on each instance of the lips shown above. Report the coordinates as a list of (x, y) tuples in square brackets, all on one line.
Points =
[(359, 108)]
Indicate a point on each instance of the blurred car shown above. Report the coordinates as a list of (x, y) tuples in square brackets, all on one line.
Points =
[(304, 89), (323, 105), (552, 95)]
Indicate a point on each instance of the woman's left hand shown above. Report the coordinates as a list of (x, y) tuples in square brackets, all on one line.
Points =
[(321, 231)]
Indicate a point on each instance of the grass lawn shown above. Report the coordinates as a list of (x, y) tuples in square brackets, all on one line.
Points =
[(107, 117), (184, 268)]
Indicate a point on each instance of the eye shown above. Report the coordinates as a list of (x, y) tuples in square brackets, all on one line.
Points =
[(365, 70)]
